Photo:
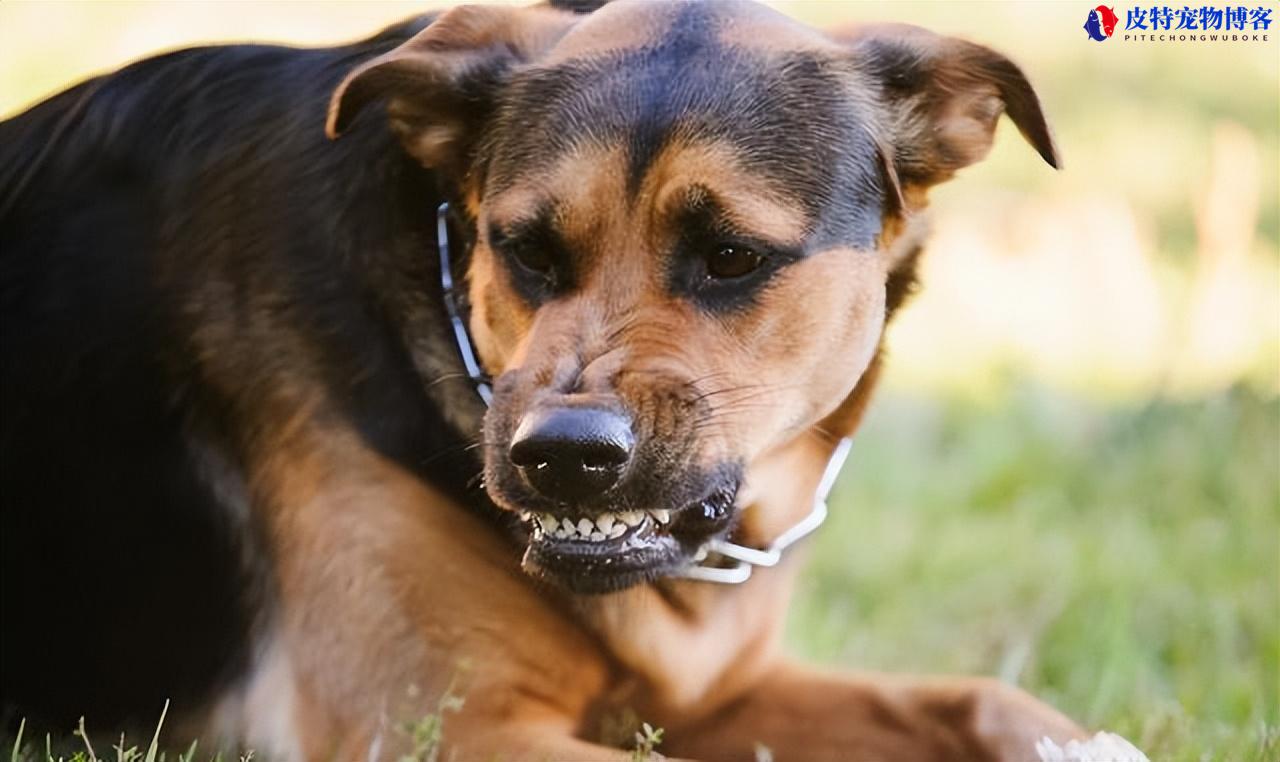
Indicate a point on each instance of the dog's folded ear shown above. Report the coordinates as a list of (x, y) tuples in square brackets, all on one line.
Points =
[(440, 86), (943, 96)]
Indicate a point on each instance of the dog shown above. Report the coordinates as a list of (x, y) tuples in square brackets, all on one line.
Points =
[(462, 370)]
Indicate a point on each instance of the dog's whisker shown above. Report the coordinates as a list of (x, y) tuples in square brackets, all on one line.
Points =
[(455, 450), (445, 377), (748, 394), (727, 390)]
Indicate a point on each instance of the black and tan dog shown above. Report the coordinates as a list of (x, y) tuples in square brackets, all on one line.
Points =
[(244, 466)]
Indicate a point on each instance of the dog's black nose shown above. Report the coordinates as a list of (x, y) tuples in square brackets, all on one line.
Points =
[(571, 454)]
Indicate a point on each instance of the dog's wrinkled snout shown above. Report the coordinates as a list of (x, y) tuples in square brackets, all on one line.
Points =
[(572, 454)]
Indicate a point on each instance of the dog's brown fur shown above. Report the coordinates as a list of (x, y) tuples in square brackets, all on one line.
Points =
[(388, 594)]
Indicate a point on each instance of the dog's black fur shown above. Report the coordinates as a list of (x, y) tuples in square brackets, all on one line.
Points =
[(190, 193)]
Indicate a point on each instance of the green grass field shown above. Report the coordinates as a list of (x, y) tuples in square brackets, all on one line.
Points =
[(1120, 563)]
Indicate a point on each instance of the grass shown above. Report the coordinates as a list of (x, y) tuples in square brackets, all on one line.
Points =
[(22, 750), (1120, 563)]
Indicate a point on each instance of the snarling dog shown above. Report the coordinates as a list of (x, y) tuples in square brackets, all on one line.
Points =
[(248, 461)]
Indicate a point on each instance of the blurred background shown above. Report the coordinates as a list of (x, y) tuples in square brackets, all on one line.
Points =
[(1071, 479)]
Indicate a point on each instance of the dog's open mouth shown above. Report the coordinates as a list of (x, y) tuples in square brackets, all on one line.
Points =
[(613, 550)]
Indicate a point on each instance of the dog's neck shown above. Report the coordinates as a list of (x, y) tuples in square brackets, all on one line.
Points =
[(690, 644), (693, 644)]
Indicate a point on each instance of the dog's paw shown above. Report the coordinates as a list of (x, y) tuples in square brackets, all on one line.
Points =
[(1103, 747)]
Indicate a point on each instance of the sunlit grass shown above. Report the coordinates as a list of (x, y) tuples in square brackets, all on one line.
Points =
[(1121, 564)]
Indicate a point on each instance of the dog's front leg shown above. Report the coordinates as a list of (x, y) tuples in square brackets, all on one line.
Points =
[(395, 608), (800, 714)]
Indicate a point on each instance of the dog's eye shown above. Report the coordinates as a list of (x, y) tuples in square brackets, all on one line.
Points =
[(536, 257), (733, 262), (533, 257)]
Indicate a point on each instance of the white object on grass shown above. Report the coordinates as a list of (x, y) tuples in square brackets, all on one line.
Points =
[(1103, 747)]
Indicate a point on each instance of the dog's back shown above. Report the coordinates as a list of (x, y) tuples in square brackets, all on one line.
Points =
[(186, 206)]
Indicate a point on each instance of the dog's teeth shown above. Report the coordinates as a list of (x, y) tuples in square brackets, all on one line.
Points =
[(606, 526), (661, 514)]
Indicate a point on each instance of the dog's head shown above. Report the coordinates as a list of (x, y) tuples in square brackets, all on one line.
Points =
[(684, 217)]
